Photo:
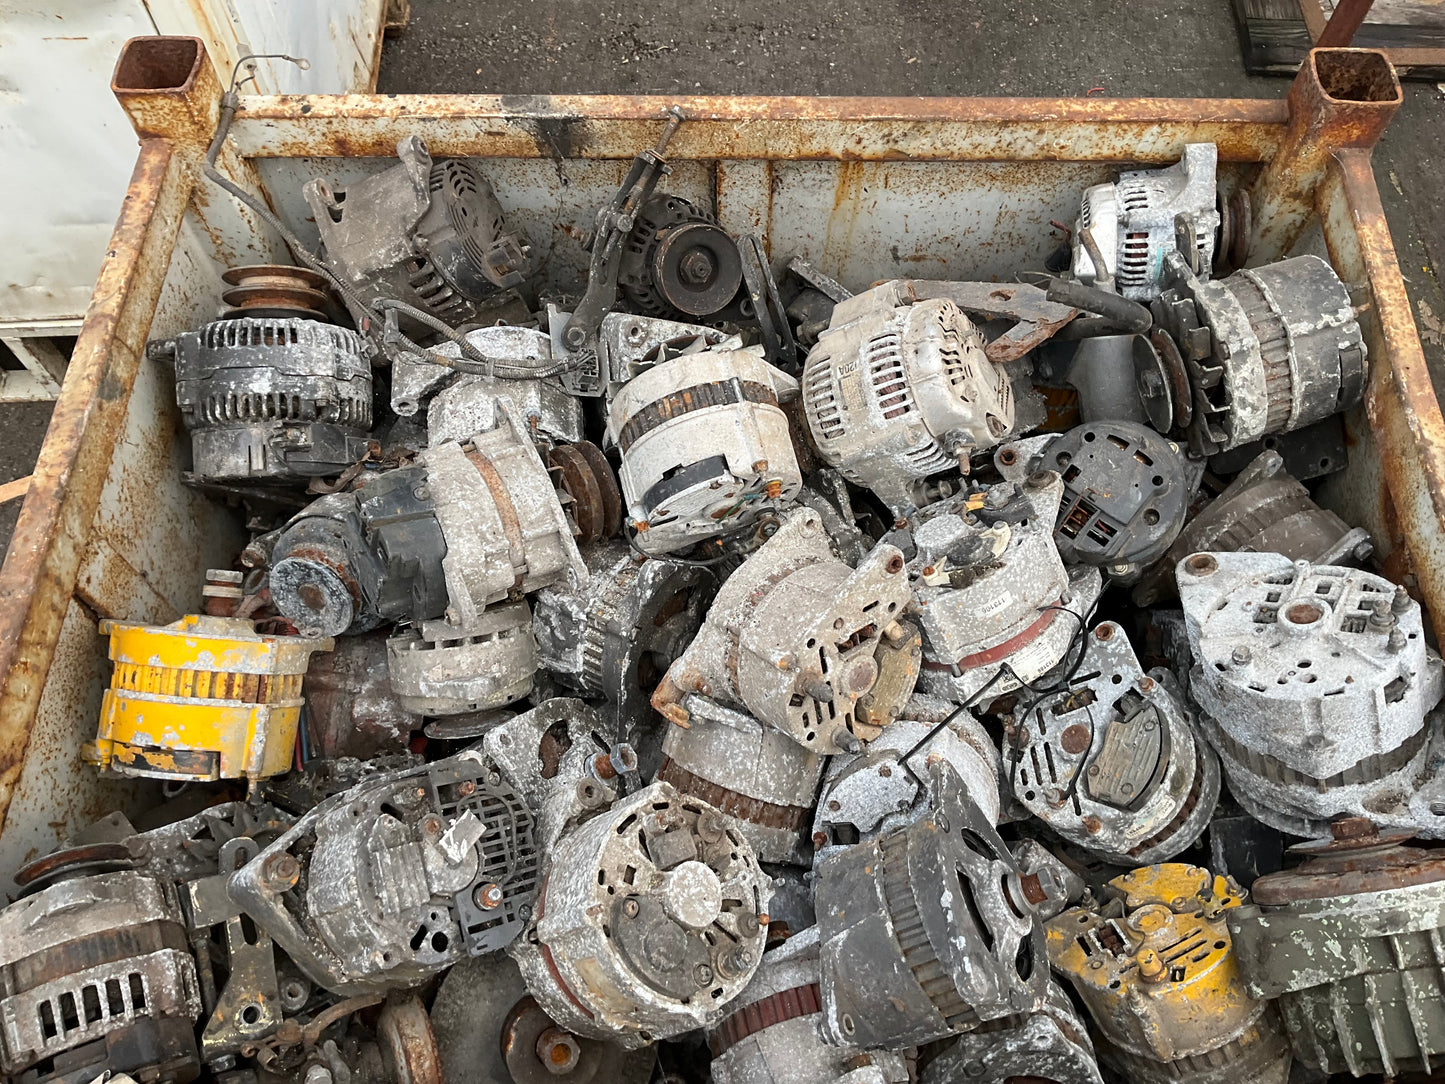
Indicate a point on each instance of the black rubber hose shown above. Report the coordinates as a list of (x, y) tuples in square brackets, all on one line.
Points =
[(1126, 315)]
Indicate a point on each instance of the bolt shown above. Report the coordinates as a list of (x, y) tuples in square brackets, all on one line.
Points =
[(431, 826), (558, 1051), (1381, 617), (466, 788), (312, 597), (748, 924), (1104, 632), (696, 267), (820, 839), (1240, 655), (885, 771), (703, 975), (630, 908), (488, 897), (1396, 643), (421, 493), (1119, 570), (1351, 828), (281, 872), (1151, 383), (1401, 602), (1150, 966)]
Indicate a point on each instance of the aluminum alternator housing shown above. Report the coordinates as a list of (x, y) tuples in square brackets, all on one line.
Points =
[(398, 878), (875, 792), (96, 973), (897, 390), (475, 523), (650, 920), (1264, 510), (1155, 968), (1266, 350), (1113, 762), (1133, 221), (991, 592), (1126, 495), (438, 668), (429, 233), (1348, 945), (1314, 682), (1049, 1045), (705, 446), (806, 644), (932, 922), (272, 399), (468, 405), (773, 1033), (614, 637), (757, 775)]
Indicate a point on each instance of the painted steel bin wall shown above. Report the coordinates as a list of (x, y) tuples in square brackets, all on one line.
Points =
[(865, 188)]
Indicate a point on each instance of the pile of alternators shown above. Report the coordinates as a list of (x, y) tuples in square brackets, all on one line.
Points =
[(722, 675)]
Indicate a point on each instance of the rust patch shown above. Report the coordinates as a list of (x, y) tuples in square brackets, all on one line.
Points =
[(41, 566)]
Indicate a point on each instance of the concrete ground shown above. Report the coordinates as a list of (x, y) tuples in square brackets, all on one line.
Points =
[(904, 47)]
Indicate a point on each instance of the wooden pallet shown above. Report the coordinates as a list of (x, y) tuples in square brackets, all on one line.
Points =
[(1275, 35)]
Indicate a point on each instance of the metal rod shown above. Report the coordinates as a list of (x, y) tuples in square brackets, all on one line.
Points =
[(1346, 20)]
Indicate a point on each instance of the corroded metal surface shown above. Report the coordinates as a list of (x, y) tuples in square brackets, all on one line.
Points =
[(757, 158)]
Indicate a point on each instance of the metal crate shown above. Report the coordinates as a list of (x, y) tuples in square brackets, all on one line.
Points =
[(865, 188)]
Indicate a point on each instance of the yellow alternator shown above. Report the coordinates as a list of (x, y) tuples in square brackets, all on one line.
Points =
[(1155, 967), (204, 698)]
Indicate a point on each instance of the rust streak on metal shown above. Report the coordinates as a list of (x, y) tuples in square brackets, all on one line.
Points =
[(1400, 402), (41, 566), (794, 128)]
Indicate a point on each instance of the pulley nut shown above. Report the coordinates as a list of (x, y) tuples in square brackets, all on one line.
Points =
[(558, 1051)]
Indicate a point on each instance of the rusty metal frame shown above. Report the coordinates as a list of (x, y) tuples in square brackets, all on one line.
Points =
[(1313, 151)]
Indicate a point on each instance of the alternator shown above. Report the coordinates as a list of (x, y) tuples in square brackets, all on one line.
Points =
[(993, 598), (678, 262), (396, 879), (1049, 1045), (614, 637), (97, 974), (423, 232), (933, 923), (1126, 493), (1155, 968), (705, 446), (649, 921), (271, 399), (203, 698), (897, 390), (773, 1033), (351, 708), (438, 668), (1263, 510), (1113, 762), (1267, 350), (489, 1030), (881, 789), (469, 404), (1348, 942), (1134, 222), (757, 775), (806, 644), (1314, 681), (475, 523)]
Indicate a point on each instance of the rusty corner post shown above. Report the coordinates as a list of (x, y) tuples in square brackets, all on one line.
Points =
[(1341, 99), (168, 87)]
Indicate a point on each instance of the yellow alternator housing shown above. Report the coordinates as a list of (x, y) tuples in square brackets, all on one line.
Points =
[(204, 698), (1155, 968)]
